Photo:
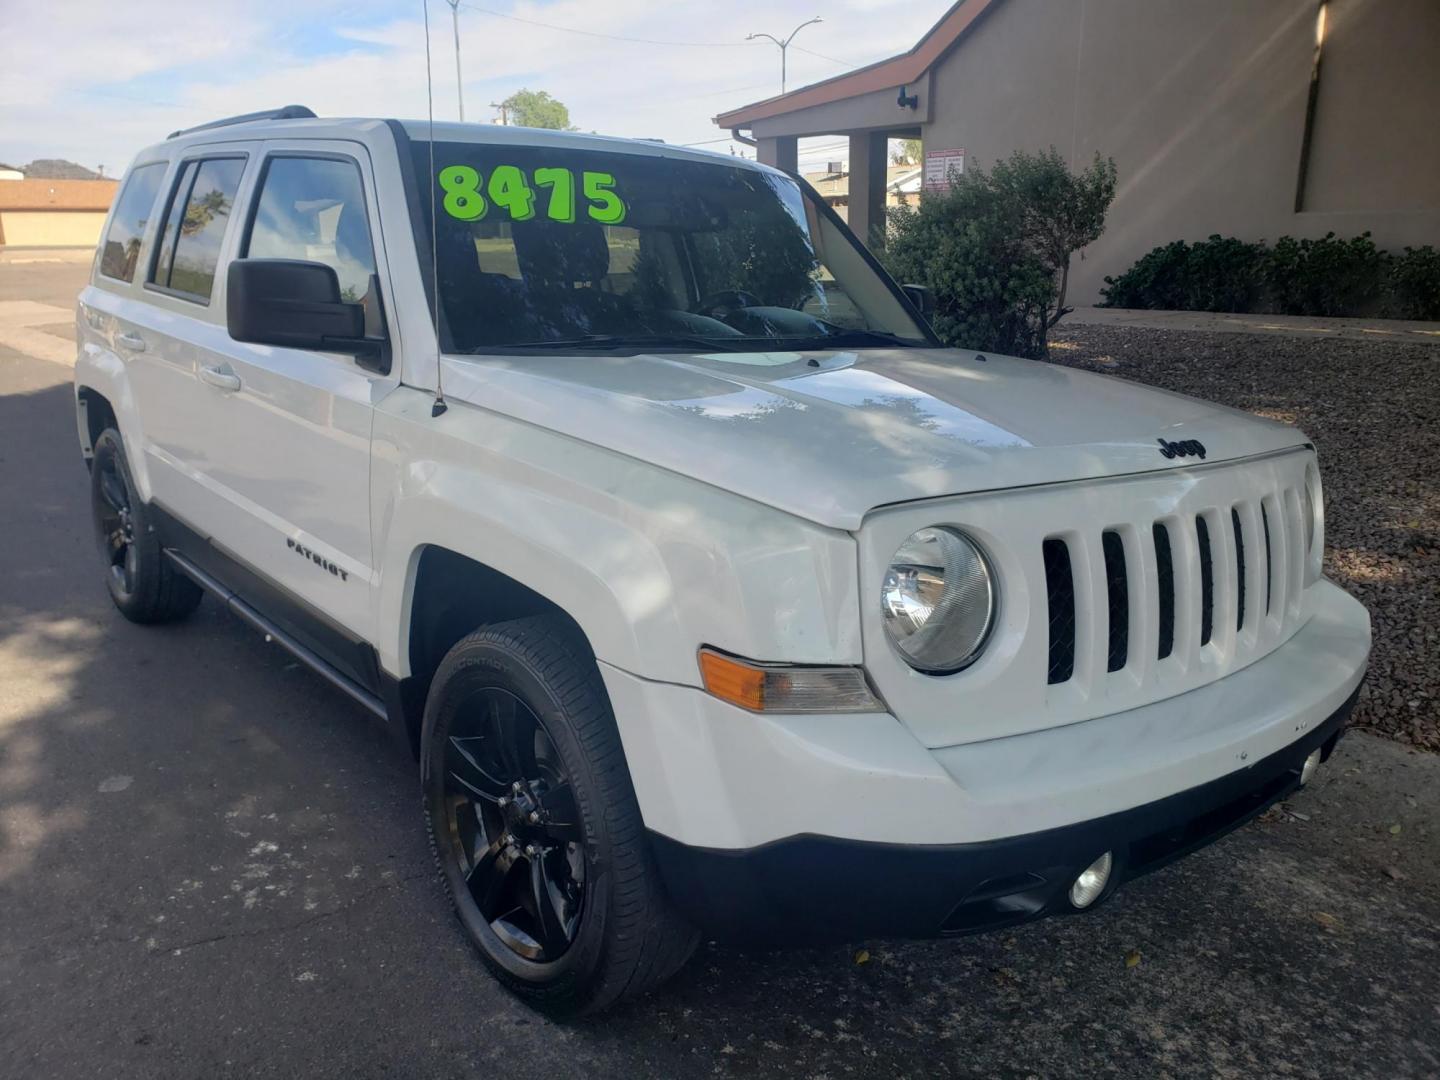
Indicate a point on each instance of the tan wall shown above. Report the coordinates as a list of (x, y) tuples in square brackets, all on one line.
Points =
[(1377, 121), (51, 228), (1202, 105)]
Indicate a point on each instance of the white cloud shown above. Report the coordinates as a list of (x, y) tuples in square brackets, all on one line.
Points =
[(94, 80)]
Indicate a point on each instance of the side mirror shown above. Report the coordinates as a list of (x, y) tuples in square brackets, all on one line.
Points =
[(295, 304), (921, 297)]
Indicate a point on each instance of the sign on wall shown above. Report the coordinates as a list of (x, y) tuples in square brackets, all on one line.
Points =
[(940, 166)]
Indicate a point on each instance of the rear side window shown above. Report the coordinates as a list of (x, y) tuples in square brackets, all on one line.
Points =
[(127, 225), (195, 222), (313, 209)]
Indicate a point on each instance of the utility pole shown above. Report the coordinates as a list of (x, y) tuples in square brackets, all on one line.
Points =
[(504, 112), (784, 45), (459, 83)]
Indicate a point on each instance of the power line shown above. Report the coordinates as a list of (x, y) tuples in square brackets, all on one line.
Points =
[(609, 37), (822, 56), (721, 93)]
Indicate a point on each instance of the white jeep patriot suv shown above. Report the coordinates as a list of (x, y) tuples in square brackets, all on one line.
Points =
[(712, 594)]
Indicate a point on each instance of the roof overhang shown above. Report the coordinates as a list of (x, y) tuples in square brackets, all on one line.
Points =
[(888, 74)]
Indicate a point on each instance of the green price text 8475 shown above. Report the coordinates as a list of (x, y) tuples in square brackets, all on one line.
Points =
[(469, 195)]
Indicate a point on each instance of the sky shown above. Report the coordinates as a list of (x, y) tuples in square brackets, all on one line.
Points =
[(94, 81)]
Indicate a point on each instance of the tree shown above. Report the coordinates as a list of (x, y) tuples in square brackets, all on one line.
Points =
[(537, 109), (1059, 211), (908, 152), (995, 248)]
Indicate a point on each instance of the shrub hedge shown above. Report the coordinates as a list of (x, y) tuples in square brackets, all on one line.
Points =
[(1328, 276), (995, 248)]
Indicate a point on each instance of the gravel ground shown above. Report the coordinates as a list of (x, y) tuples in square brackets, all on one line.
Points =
[(1372, 409)]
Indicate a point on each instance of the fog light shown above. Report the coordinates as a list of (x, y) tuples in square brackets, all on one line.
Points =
[(1091, 882), (1311, 764)]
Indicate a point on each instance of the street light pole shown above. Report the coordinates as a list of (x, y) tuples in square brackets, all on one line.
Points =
[(459, 85), (784, 45)]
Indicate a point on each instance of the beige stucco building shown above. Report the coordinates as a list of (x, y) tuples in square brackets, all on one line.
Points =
[(54, 213), (1249, 118)]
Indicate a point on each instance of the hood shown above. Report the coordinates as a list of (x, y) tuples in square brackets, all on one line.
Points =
[(829, 436)]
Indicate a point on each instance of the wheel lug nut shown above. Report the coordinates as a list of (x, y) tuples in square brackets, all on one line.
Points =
[(503, 801), (529, 849), (515, 786), (534, 817)]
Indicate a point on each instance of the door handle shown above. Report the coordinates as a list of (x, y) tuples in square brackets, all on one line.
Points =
[(220, 378), (133, 342)]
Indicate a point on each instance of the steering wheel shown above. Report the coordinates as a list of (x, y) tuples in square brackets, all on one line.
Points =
[(726, 300)]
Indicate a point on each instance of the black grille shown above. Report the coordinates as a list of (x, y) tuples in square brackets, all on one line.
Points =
[(1239, 570), (1060, 586), (1269, 565), (1165, 581), (1118, 588), (1207, 582)]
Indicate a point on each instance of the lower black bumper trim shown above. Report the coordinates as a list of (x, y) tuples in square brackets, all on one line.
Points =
[(808, 889)]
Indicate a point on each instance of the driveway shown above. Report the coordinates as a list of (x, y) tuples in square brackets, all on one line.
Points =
[(211, 864)]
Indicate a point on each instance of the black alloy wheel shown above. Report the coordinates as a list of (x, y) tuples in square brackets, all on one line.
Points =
[(115, 524), (534, 823), (144, 584), (512, 820)]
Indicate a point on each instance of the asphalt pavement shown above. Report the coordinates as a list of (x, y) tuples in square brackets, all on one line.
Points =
[(212, 864)]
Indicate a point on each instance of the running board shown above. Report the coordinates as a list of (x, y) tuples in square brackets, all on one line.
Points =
[(273, 633)]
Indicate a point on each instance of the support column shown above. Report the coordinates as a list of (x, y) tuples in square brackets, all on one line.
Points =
[(781, 151), (867, 187)]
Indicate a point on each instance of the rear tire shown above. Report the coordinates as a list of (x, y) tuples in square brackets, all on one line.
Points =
[(549, 870), (145, 585)]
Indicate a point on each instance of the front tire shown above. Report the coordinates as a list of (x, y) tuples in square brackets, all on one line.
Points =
[(145, 585), (535, 825)]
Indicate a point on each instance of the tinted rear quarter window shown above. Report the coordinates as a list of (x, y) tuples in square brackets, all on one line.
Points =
[(121, 251), (200, 209)]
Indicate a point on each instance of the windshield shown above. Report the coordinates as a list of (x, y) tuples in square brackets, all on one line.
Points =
[(557, 248)]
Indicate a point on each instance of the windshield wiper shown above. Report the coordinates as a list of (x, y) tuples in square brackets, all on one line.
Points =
[(600, 342), (840, 338), (883, 337)]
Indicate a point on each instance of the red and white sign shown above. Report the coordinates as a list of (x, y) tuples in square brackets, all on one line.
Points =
[(940, 166)]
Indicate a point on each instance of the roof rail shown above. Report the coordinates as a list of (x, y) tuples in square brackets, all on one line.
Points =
[(286, 112)]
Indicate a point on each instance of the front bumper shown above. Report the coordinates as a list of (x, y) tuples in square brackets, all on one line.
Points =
[(710, 775), (817, 888)]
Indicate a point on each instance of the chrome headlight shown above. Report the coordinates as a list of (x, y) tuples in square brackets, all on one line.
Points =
[(938, 600)]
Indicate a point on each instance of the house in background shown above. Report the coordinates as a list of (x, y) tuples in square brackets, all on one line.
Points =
[(1245, 118), (9, 172), (833, 185), (54, 213)]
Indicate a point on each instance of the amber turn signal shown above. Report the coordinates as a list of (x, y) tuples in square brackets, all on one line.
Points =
[(783, 688)]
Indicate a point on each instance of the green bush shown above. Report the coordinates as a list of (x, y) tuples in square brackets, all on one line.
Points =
[(1225, 274), (1328, 276), (995, 248), (991, 292), (1157, 280), (1415, 284), (1219, 274)]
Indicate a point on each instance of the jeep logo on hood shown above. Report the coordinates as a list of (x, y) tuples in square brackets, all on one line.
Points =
[(1185, 448)]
